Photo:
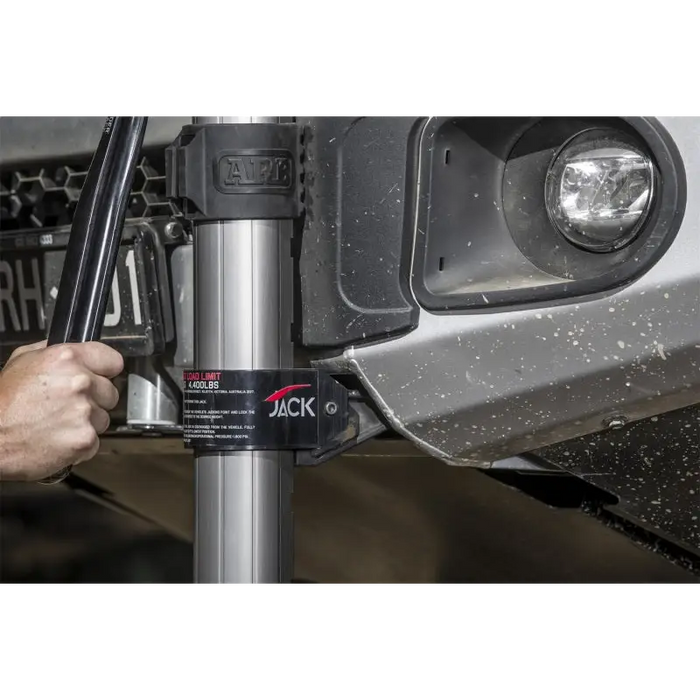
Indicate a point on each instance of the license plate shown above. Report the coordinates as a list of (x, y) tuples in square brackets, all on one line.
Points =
[(30, 272)]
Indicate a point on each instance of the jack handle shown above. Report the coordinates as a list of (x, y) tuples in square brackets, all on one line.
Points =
[(95, 236)]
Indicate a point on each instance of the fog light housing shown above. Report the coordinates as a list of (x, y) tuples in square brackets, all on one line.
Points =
[(599, 190)]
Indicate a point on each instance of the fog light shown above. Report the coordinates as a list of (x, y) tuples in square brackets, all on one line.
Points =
[(599, 190)]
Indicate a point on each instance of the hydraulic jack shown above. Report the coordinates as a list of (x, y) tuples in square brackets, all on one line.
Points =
[(243, 291), (239, 184)]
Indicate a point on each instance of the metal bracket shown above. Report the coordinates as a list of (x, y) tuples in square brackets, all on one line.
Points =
[(285, 409), (363, 424)]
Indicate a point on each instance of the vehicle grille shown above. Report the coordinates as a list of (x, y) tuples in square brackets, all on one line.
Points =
[(45, 197)]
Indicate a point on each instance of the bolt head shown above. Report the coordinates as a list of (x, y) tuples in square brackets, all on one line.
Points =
[(331, 408), (616, 422), (173, 230)]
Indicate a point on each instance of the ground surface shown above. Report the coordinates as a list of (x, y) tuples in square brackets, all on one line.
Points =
[(358, 519)]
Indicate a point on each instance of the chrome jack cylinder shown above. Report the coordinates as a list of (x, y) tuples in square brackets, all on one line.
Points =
[(235, 179)]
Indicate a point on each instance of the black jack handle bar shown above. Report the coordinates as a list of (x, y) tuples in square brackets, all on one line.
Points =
[(95, 236)]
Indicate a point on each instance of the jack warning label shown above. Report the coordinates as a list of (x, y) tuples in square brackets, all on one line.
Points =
[(251, 409)]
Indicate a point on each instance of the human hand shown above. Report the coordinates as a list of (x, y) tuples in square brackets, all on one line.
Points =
[(54, 404)]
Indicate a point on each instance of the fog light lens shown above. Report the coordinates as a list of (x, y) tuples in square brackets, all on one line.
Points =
[(599, 190)]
